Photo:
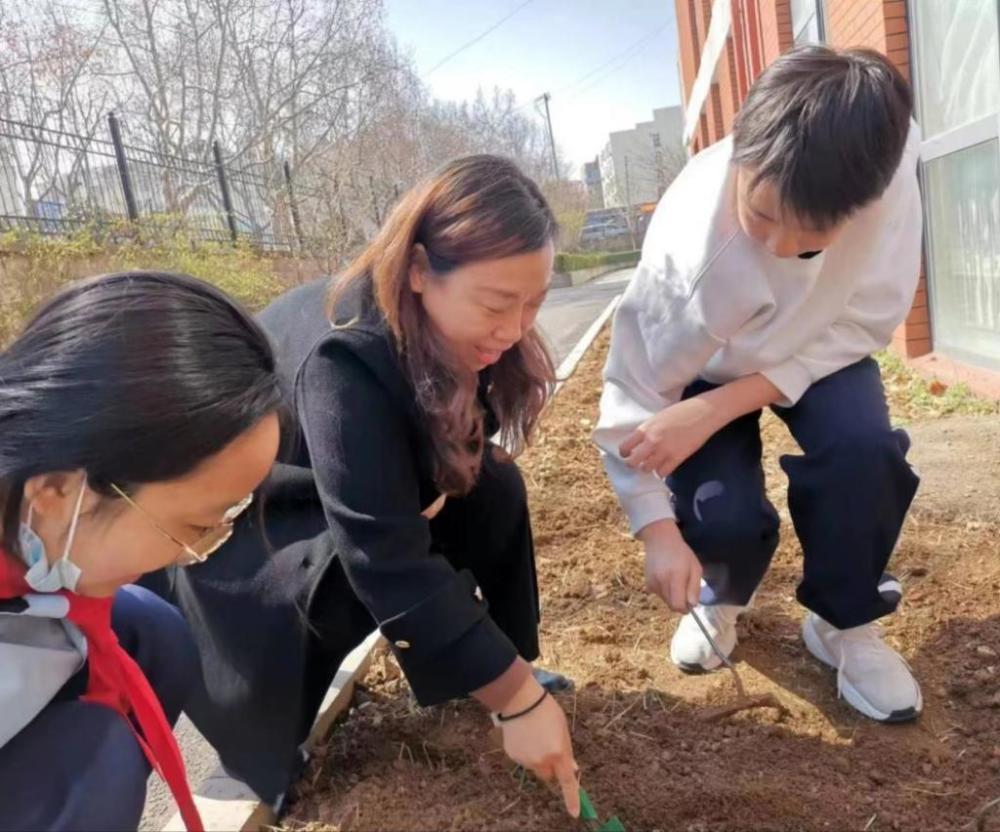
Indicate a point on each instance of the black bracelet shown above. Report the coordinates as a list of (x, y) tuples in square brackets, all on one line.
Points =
[(528, 710)]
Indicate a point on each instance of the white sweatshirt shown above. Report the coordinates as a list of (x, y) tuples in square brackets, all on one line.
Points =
[(708, 302)]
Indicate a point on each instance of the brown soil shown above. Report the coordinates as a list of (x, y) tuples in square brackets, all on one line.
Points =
[(959, 463), (645, 752)]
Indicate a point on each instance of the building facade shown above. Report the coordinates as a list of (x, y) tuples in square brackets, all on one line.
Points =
[(949, 51), (637, 165), (595, 186)]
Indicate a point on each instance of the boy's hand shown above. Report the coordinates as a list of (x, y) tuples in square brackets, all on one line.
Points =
[(673, 571), (671, 436)]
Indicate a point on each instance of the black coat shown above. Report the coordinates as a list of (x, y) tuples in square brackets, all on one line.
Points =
[(350, 550)]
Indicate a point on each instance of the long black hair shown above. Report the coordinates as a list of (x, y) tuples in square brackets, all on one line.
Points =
[(135, 378)]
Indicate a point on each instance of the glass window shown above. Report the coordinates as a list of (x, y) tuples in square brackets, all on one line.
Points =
[(807, 21), (963, 204), (958, 62)]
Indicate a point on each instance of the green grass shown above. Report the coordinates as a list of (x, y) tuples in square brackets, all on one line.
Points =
[(912, 398)]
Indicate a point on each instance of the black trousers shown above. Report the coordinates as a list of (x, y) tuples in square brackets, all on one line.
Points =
[(274, 624), (848, 495)]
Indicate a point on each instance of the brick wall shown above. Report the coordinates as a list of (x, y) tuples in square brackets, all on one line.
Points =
[(877, 24), (776, 27), (913, 338), (724, 97), (882, 25)]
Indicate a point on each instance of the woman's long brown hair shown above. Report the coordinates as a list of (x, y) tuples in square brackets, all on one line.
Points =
[(472, 209)]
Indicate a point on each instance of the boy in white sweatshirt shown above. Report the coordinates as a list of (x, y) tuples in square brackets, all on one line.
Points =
[(778, 261)]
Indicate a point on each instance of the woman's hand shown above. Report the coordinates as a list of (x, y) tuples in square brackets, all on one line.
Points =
[(540, 741), (434, 509)]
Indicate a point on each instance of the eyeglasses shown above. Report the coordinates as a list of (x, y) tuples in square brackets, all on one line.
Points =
[(206, 545)]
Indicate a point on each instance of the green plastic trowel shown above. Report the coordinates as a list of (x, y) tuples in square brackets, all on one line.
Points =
[(588, 814)]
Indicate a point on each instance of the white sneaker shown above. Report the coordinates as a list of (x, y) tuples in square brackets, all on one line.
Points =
[(871, 676), (690, 650)]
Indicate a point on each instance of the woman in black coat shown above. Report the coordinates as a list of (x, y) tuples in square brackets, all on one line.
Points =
[(394, 509)]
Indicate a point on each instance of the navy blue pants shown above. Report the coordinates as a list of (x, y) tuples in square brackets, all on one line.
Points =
[(77, 765), (848, 495)]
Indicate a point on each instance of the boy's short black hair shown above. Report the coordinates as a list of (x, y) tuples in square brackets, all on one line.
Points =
[(827, 128)]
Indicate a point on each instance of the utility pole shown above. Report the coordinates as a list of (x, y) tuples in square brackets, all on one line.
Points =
[(552, 142), (628, 205)]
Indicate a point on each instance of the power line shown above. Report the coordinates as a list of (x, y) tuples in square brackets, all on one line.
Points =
[(629, 52), (478, 37), (600, 79)]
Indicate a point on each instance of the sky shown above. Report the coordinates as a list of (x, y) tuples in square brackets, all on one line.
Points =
[(607, 64)]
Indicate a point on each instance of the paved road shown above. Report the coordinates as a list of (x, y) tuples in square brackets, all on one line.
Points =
[(565, 317), (569, 312), (200, 760)]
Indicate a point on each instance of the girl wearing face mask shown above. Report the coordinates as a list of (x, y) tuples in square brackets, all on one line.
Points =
[(138, 413), (398, 511)]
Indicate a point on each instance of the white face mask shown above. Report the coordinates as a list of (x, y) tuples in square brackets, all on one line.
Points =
[(42, 576)]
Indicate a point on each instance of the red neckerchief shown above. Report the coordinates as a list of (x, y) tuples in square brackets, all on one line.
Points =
[(117, 682)]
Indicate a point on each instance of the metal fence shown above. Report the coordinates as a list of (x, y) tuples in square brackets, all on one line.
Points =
[(54, 182)]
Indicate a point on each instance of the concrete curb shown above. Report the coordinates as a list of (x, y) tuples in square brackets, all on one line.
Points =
[(568, 366), (564, 280), (227, 804)]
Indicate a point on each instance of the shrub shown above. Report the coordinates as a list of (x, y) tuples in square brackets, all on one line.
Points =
[(34, 266), (566, 262)]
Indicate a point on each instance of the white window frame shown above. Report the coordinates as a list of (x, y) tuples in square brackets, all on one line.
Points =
[(963, 137), (958, 138), (715, 42), (820, 13)]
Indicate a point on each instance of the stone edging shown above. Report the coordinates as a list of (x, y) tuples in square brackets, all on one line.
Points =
[(568, 366), (227, 805)]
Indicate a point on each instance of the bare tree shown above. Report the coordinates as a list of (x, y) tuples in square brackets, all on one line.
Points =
[(266, 77), (319, 85), (271, 81), (568, 199), (45, 71), (405, 136)]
